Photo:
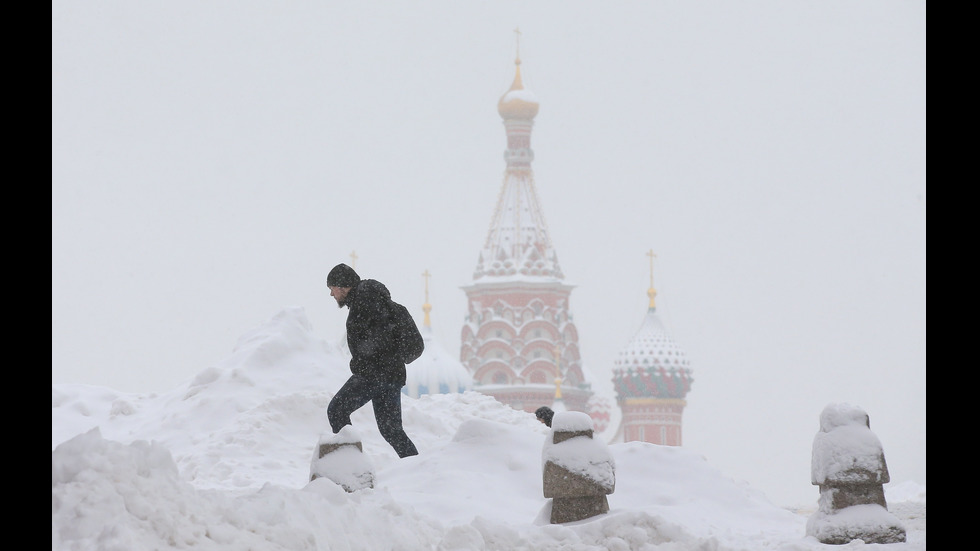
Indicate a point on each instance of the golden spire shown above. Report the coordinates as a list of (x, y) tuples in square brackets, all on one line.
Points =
[(517, 32), (353, 260), (558, 370), (426, 307), (518, 83), (651, 292)]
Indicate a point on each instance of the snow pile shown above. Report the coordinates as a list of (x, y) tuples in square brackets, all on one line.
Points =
[(108, 496), (907, 491), (222, 463)]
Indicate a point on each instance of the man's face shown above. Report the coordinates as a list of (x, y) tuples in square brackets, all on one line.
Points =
[(339, 294)]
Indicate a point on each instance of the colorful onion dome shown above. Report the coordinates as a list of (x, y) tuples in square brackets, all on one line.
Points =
[(652, 365)]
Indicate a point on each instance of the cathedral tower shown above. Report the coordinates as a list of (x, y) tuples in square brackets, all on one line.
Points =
[(651, 376), (519, 337)]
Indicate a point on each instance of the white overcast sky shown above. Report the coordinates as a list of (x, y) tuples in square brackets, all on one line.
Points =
[(212, 161)]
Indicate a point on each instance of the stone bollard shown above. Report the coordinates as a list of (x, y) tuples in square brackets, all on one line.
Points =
[(340, 458), (848, 464), (578, 471)]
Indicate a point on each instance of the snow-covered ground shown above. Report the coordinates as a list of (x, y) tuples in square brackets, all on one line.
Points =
[(223, 462)]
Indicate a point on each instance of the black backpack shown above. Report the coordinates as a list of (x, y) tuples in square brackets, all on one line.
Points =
[(408, 341)]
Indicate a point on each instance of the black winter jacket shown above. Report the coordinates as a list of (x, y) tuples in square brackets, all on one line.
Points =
[(370, 334)]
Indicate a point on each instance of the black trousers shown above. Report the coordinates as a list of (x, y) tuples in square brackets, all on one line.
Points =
[(387, 402)]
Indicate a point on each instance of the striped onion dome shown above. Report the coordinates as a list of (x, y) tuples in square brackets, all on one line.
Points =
[(652, 364)]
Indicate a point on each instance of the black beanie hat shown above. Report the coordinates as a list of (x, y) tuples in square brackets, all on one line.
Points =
[(342, 275)]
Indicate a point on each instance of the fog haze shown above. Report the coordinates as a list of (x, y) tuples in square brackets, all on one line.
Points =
[(211, 163)]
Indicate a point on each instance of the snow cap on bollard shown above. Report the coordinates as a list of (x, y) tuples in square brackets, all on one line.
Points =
[(848, 464), (578, 472), (340, 458)]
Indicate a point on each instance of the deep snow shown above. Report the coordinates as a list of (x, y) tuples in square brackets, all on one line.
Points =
[(223, 462)]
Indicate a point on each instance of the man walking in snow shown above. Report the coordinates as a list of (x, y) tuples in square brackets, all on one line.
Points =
[(377, 371)]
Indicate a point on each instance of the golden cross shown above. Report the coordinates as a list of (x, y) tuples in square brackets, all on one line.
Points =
[(651, 255), (353, 259), (517, 32), (426, 275)]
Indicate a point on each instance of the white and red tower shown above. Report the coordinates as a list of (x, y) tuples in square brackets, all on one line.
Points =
[(519, 339)]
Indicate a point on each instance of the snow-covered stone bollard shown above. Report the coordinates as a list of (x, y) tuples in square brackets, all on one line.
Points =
[(578, 471), (848, 464), (340, 458)]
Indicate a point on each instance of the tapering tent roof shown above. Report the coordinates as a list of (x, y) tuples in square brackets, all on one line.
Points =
[(518, 245)]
